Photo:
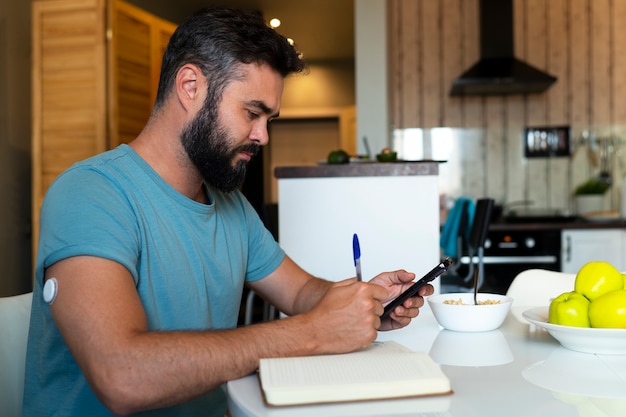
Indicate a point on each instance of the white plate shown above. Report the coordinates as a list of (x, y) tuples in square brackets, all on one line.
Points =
[(581, 339)]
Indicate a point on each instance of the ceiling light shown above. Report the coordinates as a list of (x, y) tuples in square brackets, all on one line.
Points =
[(275, 23)]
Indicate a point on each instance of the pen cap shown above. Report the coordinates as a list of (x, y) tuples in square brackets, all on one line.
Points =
[(356, 248)]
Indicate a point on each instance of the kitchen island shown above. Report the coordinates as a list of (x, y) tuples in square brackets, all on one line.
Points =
[(393, 207)]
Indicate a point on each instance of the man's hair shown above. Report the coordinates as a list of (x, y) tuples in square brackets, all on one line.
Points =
[(218, 41)]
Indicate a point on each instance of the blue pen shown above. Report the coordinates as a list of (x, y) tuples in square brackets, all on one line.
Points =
[(356, 250)]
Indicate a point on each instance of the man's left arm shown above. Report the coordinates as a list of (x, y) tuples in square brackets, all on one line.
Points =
[(292, 290)]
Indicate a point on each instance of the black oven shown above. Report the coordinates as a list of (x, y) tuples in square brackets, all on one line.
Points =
[(509, 252)]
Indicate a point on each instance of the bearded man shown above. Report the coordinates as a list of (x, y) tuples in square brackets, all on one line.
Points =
[(145, 249)]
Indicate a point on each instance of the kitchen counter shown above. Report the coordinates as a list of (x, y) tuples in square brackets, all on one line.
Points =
[(359, 169), (577, 223)]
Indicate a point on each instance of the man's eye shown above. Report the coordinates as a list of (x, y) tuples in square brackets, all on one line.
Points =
[(252, 115)]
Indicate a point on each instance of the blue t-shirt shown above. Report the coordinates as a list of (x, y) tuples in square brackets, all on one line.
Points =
[(189, 262)]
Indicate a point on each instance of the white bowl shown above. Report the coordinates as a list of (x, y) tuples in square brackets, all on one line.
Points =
[(467, 317)]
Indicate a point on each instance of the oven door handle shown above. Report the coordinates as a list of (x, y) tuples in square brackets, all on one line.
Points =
[(543, 259)]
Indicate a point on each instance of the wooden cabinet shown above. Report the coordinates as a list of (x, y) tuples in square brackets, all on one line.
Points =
[(582, 246), (95, 69), (137, 43)]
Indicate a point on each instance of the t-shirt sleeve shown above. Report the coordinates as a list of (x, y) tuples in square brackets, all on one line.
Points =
[(264, 254), (84, 214)]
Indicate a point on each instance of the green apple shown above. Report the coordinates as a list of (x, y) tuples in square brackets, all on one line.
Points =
[(569, 309), (596, 278), (609, 310)]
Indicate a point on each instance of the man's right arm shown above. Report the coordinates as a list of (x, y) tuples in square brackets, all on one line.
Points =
[(101, 318)]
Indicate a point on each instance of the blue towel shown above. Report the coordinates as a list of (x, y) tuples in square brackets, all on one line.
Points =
[(450, 232)]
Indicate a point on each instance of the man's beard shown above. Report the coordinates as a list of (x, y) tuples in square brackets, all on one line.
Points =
[(207, 145)]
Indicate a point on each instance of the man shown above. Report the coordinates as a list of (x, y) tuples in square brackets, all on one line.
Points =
[(145, 249)]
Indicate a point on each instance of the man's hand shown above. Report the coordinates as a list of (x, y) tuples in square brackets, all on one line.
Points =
[(347, 317), (395, 283)]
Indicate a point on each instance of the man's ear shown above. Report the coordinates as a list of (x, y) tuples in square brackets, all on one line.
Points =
[(188, 81)]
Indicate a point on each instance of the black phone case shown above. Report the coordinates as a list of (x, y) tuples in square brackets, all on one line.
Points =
[(413, 289)]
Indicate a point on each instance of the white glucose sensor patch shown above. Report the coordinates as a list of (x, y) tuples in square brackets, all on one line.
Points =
[(50, 290)]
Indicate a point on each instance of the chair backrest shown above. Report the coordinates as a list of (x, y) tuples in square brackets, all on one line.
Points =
[(14, 324), (480, 225), (481, 217), (537, 287)]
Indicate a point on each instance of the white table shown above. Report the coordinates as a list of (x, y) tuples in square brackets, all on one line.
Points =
[(513, 371)]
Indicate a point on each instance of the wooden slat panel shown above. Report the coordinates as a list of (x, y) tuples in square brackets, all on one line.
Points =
[(600, 63), (618, 56), (410, 70), (431, 63), (517, 119), (517, 188), (558, 194), (534, 24), (395, 63), (535, 54), (579, 68), (472, 110), (557, 62), (580, 86), (618, 105), (452, 65)]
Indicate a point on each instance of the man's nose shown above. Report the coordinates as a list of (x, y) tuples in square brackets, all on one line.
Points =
[(260, 133)]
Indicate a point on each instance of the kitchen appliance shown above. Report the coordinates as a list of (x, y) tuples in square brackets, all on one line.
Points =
[(509, 252), (498, 72)]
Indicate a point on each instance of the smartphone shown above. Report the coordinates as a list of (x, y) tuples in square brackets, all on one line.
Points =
[(413, 289)]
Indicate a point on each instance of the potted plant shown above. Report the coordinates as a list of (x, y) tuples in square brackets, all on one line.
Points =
[(589, 196)]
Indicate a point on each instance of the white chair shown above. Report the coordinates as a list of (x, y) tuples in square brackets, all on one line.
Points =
[(536, 288), (14, 323)]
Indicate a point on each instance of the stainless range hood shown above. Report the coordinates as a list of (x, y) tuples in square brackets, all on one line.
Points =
[(498, 72)]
